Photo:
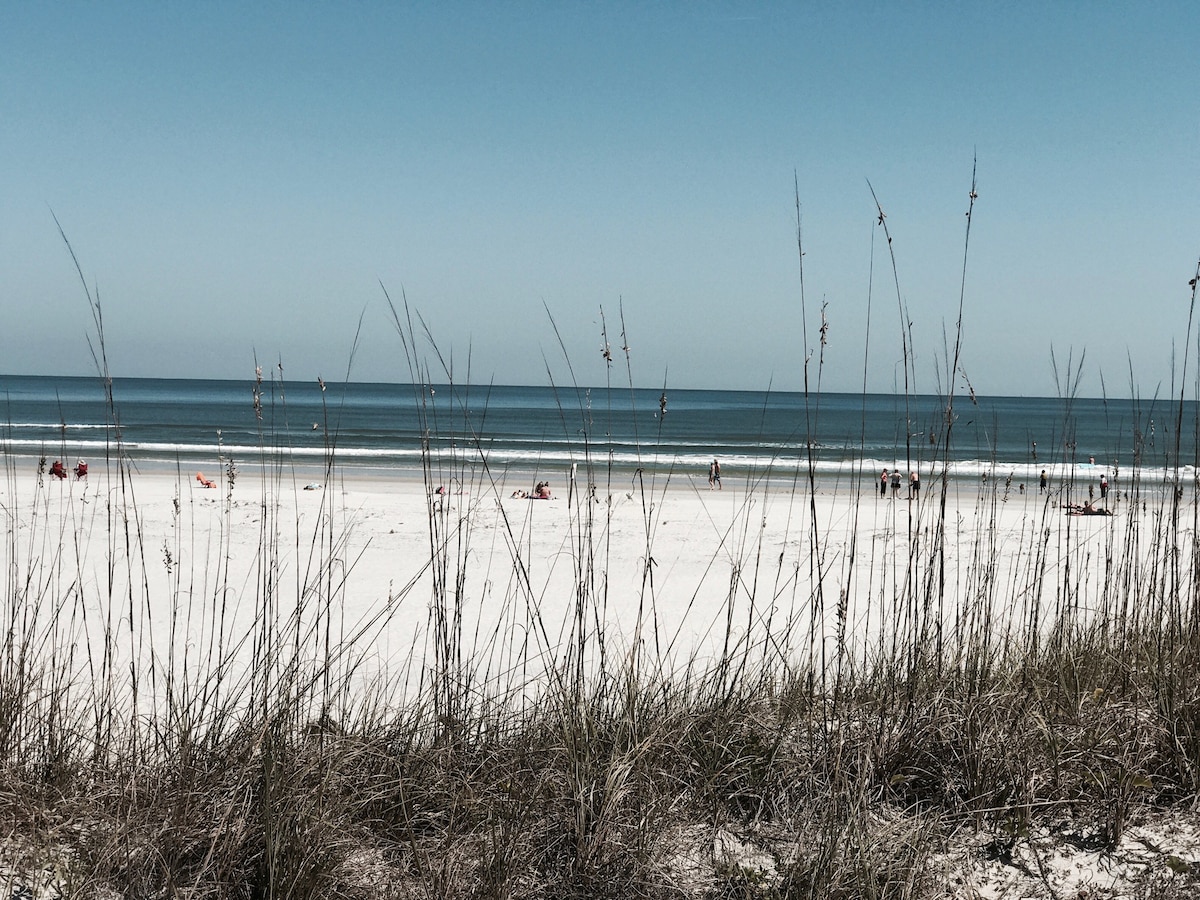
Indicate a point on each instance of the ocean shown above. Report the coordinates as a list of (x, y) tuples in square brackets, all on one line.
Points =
[(380, 428)]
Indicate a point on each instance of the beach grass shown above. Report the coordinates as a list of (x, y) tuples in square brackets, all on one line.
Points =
[(885, 719)]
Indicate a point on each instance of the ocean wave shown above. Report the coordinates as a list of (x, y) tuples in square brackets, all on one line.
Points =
[(757, 462), (57, 426)]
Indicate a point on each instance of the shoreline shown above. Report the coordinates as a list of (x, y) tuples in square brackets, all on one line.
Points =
[(847, 474)]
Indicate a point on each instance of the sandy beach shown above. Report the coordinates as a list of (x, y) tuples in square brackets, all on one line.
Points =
[(342, 604), (360, 566)]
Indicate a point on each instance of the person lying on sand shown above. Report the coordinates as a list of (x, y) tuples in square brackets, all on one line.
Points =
[(1087, 509)]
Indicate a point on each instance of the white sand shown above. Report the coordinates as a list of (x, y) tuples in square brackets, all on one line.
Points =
[(208, 575)]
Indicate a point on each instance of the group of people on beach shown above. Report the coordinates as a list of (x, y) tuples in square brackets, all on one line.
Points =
[(1090, 508), (541, 491), (895, 479)]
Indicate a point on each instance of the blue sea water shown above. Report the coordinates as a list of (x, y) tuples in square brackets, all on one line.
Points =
[(382, 427)]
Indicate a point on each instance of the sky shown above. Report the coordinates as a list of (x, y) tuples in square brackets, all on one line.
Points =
[(247, 183)]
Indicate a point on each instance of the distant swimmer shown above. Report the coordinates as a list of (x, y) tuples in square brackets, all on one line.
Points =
[(662, 404)]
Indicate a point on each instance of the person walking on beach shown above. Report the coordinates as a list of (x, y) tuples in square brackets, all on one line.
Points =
[(914, 484), (1042, 483), (1103, 486), (714, 475), (895, 483), (883, 483)]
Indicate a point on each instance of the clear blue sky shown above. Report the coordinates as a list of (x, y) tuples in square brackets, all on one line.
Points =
[(238, 179)]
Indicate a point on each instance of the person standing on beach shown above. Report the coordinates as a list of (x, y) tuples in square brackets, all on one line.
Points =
[(914, 484), (895, 483), (1042, 483), (883, 483), (714, 475), (1103, 486)]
